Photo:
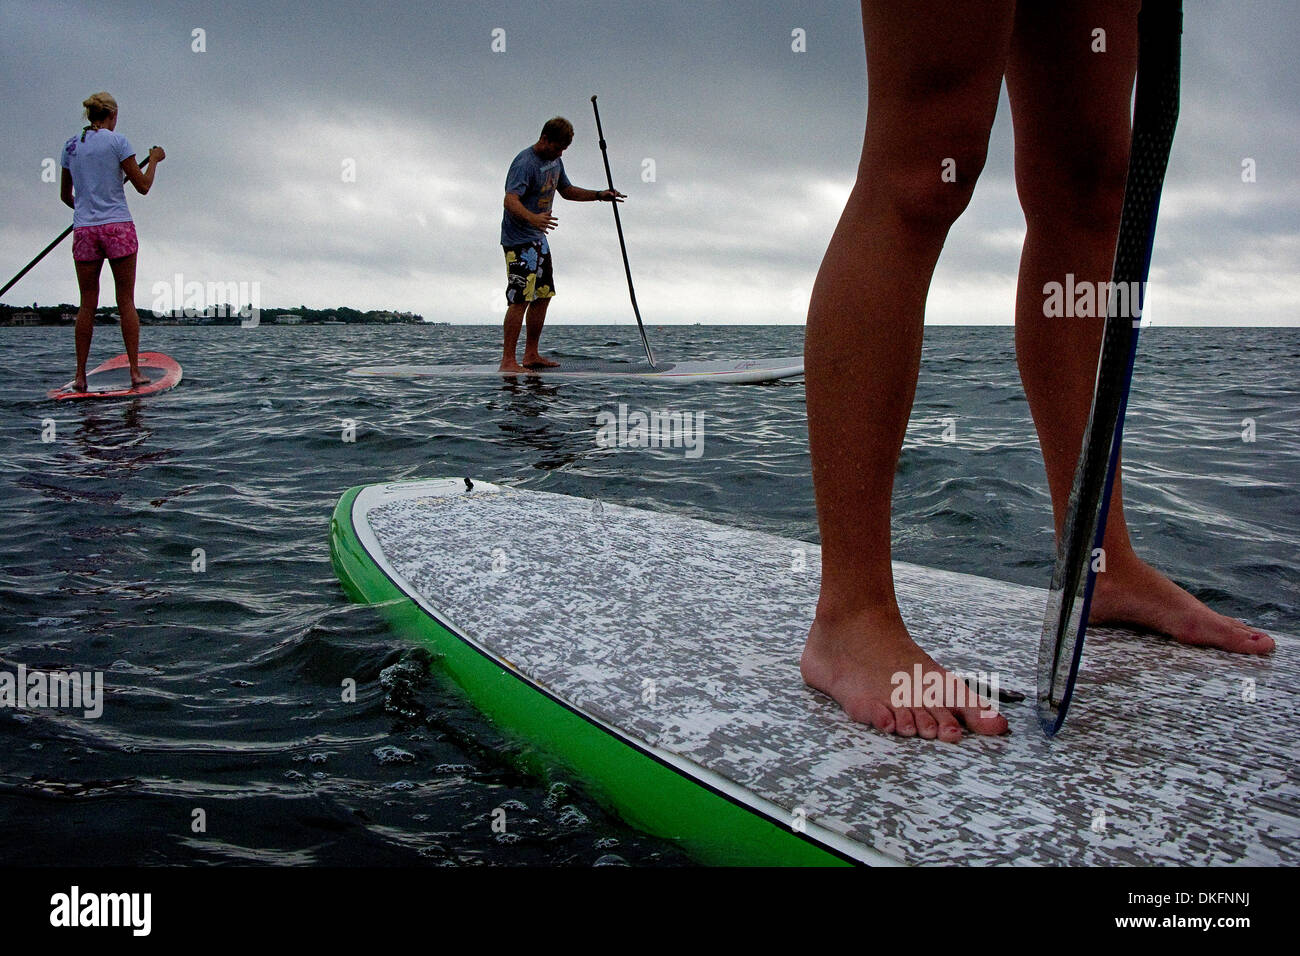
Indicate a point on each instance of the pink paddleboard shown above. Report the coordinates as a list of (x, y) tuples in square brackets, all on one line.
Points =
[(113, 378)]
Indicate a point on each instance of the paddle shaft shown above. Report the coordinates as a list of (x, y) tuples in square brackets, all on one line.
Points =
[(1155, 114), (46, 251), (618, 223)]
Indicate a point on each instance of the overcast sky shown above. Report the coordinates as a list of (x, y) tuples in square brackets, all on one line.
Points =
[(754, 148)]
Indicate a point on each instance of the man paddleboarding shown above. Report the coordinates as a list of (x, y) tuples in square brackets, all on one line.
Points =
[(935, 71), (535, 176), (94, 163)]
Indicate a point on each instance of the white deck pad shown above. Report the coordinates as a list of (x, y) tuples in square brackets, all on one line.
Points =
[(1169, 756)]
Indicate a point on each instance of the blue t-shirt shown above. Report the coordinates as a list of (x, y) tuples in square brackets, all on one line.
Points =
[(534, 180), (96, 168)]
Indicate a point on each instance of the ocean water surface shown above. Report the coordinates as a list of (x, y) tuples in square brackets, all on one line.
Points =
[(179, 545)]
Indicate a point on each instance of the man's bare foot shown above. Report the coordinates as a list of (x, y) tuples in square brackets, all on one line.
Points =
[(79, 383), (854, 661), (138, 380), (1134, 594), (512, 367), (536, 361)]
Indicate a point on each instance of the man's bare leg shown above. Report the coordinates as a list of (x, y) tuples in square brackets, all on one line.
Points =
[(124, 285), (1071, 112), (88, 284), (935, 70), (514, 322), (536, 320)]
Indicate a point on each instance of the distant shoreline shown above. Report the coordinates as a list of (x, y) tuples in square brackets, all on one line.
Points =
[(65, 314)]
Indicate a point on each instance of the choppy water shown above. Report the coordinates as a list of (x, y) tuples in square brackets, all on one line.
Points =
[(223, 686)]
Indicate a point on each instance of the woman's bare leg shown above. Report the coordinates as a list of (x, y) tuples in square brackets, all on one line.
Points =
[(88, 285), (124, 281), (1070, 108), (934, 73)]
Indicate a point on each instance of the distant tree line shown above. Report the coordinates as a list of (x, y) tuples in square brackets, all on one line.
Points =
[(65, 313)]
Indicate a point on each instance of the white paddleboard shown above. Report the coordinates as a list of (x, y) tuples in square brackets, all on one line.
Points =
[(657, 656), (752, 371)]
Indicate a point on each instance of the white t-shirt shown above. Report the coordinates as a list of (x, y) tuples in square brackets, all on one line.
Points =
[(96, 168)]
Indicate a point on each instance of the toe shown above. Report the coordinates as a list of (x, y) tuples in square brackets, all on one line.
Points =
[(982, 720), (904, 722), (948, 726), (925, 724), (877, 715), (1256, 643), (1252, 641)]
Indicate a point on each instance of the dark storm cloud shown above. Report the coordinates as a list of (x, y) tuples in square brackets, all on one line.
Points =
[(753, 146)]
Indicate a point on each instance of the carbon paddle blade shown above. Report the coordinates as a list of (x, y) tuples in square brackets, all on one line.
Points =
[(1155, 114)]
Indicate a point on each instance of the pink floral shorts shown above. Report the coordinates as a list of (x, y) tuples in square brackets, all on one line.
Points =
[(112, 240)]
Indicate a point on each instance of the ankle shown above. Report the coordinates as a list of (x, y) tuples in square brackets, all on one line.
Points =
[(1122, 567), (834, 612)]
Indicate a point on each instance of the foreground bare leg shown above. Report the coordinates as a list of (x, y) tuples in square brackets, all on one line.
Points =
[(1071, 111), (934, 71)]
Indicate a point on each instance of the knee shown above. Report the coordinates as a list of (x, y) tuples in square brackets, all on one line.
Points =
[(929, 188)]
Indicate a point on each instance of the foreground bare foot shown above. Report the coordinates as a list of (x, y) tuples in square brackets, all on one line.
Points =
[(1134, 594), (854, 660), (536, 361), (512, 366), (79, 384), (138, 380)]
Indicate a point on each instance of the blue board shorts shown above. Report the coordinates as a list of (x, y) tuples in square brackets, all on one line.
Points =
[(529, 275)]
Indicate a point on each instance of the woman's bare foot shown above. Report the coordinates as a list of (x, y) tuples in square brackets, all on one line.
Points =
[(855, 659), (138, 380), (79, 383), (535, 360), (1134, 594), (512, 367)]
